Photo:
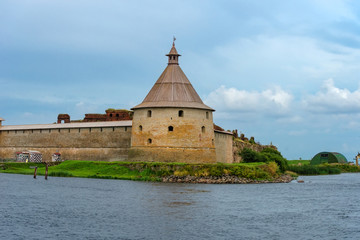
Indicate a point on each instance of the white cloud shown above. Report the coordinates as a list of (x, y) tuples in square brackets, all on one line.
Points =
[(292, 61), (331, 99), (273, 101)]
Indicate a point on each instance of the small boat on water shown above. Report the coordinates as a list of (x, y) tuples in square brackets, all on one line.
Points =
[(300, 181)]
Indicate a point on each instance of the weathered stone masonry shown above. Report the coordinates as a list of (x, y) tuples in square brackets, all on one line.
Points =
[(108, 141), (90, 142)]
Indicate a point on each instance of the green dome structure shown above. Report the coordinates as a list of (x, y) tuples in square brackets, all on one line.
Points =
[(328, 157)]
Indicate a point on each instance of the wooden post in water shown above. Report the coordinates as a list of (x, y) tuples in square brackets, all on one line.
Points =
[(46, 171), (35, 172)]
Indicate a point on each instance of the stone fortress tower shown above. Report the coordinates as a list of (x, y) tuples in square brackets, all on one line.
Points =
[(172, 124)]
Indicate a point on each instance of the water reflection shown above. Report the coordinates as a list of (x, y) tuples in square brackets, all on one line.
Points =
[(72, 208)]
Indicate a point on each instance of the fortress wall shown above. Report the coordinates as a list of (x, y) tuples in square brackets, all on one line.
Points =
[(82, 143), (172, 154), (224, 147)]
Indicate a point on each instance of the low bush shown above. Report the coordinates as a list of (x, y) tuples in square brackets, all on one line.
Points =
[(314, 170), (266, 155), (347, 168)]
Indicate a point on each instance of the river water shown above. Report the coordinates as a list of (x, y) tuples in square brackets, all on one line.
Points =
[(323, 207)]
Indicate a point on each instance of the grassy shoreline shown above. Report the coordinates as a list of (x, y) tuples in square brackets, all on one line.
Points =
[(153, 171), (256, 172), (303, 167)]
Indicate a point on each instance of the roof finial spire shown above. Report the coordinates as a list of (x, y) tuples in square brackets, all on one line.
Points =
[(173, 54)]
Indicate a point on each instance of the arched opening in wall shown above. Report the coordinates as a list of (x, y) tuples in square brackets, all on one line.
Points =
[(110, 114), (117, 115), (171, 128), (149, 113), (207, 115), (140, 128), (203, 129), (181, 113), (149, 141)]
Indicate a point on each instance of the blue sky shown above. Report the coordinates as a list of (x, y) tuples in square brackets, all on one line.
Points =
[(285, 72)]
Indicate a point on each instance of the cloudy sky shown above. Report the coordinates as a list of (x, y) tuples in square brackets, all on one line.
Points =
[(284, 71)]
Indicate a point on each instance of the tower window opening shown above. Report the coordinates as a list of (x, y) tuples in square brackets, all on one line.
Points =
[(171, 128), (110, 114), (140, 128), (149, 141), (203, 129), (149, 113), (207, 115), (181, 113)]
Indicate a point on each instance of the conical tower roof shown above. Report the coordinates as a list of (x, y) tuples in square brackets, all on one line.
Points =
[(173, 88)]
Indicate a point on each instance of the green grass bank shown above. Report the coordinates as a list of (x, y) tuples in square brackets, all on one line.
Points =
[(303, 167), (166, 172)]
